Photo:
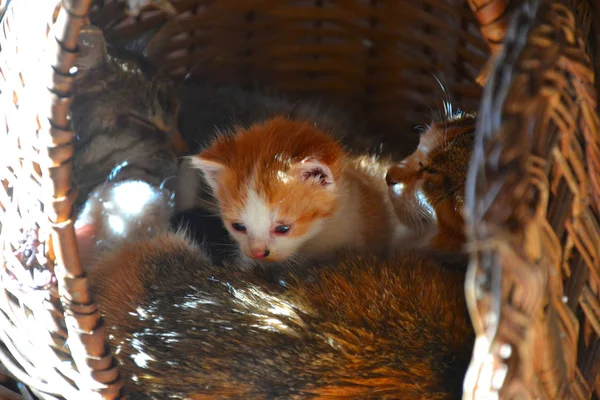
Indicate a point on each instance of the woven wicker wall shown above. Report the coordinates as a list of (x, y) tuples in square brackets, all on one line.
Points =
[(375, 57)]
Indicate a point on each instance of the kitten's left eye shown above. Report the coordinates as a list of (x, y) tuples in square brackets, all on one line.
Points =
[(239, 227), (282, 229)]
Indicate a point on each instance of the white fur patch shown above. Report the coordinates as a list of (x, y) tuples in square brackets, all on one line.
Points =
[(210, 169), (256, 216), (259, 220), (430, 140), (424, 204), (398, 189)]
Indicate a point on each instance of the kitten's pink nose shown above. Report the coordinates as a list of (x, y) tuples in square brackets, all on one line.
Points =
[(260, 253)]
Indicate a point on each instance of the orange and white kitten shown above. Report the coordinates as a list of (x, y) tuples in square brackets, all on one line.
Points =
[(427, 188), (288, 191)]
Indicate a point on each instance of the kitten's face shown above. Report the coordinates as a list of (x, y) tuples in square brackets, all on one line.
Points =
[(427, 188), (275, 186), (273, 223)]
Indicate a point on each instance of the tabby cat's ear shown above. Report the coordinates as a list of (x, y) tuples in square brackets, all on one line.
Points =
[(211, 170)]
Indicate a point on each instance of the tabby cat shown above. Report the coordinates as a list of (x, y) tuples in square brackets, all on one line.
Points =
[(126, 147), (125, 119), (427, 188)]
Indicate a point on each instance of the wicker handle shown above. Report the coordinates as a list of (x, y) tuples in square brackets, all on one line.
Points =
[(493, 19), (96, 366), (492, 16), (539, 105)]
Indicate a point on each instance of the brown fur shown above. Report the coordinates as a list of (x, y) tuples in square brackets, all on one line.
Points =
[(438, 171), (357, 329)]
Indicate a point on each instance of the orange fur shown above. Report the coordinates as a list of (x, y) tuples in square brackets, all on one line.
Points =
[(271, 160), (427, 187), (272, 146)]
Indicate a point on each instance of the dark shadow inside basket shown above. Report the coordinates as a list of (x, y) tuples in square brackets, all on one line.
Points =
[(380, 61)]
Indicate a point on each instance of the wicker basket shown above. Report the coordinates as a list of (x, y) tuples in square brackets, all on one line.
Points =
[(533, 201), (534, 193)]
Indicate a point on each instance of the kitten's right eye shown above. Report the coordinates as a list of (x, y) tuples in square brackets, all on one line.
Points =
[(282, 229), (239, 227)]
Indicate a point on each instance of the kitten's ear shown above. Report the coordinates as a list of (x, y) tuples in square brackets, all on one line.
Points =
[(313, 170), (210, 169)]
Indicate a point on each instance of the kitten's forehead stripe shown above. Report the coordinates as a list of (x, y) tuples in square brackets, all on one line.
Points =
[(256, 215)]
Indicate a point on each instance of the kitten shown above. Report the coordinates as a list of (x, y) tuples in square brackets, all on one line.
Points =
[(427, 188), (124, 121), (206, 109), (287, 190), (358, 329)]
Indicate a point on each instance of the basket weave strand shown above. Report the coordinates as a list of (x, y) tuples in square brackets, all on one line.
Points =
[(41, 63), (492, 16), (82, 317), (375, 57), (529, 189)]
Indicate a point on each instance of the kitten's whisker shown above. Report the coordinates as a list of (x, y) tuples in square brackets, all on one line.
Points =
[(432, 113), (438, 114), (446, 102), (212, 201)]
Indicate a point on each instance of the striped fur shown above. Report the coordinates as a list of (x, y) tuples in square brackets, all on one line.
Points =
[(124, 120)]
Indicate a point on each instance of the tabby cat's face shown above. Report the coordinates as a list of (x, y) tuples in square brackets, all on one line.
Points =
[(427, 188)]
